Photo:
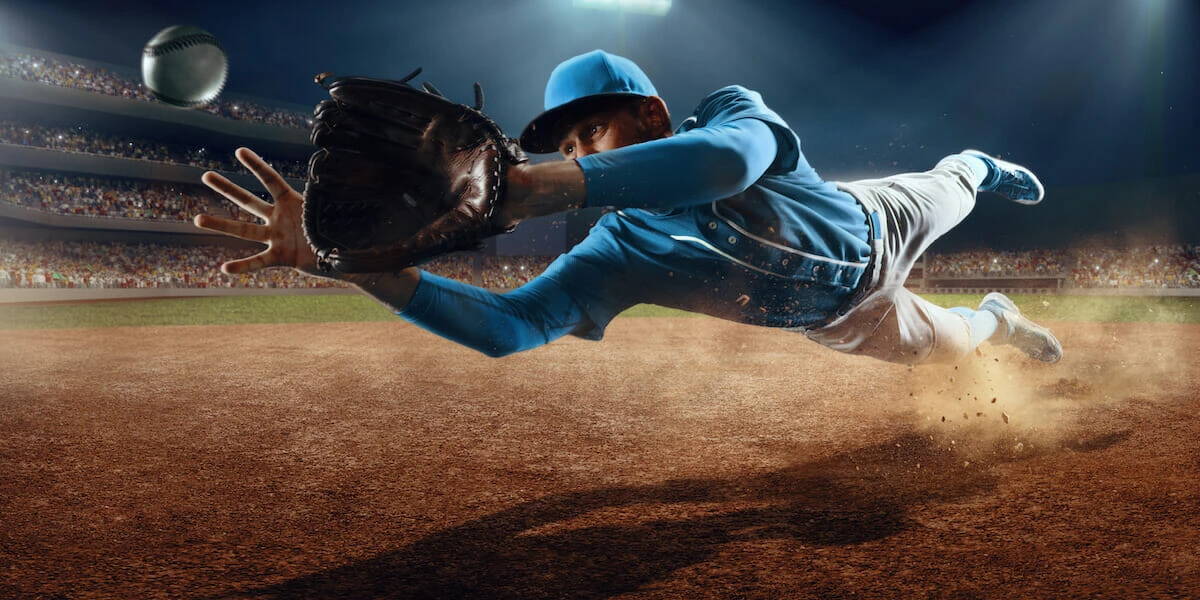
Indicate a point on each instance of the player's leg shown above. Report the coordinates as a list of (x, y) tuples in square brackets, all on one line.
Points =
[(917, 208), (914, 330), (956, 332), (1015, 329), (899, 326), (920, 207), (981, 324), (925, 206), (997, 318), (980, 172), (1007, 179)]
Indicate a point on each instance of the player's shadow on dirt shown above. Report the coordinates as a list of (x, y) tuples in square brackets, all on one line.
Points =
[(533, 550)]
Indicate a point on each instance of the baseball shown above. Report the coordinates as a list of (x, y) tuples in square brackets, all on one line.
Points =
[(184, 66)]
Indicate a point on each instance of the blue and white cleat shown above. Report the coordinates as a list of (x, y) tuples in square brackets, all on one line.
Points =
[(1018, 331), (1010, 180)]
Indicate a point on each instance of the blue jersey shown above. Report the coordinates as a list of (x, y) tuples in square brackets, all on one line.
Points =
[(725, 218), (775, 246)]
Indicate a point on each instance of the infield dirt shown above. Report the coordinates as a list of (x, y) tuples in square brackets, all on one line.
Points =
[(680, 457)]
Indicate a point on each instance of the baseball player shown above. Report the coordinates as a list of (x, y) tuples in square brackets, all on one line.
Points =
[(722, 216)]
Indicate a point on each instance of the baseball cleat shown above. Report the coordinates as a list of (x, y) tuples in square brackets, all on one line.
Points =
[(1010, 180), (1017, 330)]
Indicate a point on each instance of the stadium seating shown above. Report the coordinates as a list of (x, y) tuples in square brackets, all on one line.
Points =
[(79, 264), (82, 140), (50, 71)]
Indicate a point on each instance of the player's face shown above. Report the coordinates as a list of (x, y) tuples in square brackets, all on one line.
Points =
[(611, 129)]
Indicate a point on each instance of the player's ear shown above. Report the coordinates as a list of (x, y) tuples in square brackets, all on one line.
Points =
[(653, 111)]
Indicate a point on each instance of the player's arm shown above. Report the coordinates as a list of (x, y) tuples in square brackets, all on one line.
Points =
[(532, 315), (695, 167), (544, 189), (495, 324)]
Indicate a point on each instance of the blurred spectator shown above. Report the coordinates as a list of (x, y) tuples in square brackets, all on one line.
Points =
[(112, 197), (74, 264), (79, 139), (65, 264), (454, 266), (1158, 266), (50, 71), (512, 271), (985, 263)]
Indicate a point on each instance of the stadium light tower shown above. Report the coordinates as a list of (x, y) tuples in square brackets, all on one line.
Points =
[(646, 7)]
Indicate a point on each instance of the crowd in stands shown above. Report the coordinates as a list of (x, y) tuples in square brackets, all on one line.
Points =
[(512, 271), (1154, 266), (79, 264), (454, 266), (131, 265), (71, 264), (50, 71), (1159, 266), (80, 139), (993, 263), (112, 197)]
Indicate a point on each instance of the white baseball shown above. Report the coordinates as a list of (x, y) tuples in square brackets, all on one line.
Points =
[(184, 66)]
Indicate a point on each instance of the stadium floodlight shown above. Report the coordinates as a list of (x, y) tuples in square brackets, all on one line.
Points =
[(647, 7)]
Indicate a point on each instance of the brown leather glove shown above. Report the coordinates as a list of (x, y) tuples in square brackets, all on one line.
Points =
[(403, 175)]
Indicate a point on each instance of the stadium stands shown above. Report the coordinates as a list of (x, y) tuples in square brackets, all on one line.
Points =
[(118, 264), (1158, 266), (51, 71), (1142, 267), (110, 197), (994, 263), (81, 264), (512, 271), (82, 140)]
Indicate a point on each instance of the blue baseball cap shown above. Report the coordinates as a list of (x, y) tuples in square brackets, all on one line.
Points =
[(576, 81)]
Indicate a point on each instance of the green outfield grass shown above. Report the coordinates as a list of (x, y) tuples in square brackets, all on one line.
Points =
[(234, 310)]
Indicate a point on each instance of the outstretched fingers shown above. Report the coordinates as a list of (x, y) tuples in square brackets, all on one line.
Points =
[(237, 194), (263, 259), (270, 178), (247, 231)]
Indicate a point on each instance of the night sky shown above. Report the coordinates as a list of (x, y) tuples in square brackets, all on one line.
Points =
[(1083, 91)]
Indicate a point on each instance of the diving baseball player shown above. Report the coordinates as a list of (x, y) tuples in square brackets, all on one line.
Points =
[(722, 216)]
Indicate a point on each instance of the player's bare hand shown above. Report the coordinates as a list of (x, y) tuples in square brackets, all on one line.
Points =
[(282, 230)]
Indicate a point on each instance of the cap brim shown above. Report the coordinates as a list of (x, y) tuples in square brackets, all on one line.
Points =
[(537, 138)]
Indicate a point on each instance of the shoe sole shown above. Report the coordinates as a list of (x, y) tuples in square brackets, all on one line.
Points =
[(1041, 191)]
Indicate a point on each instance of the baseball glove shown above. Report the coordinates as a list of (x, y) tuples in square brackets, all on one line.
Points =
[(402, 175)]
